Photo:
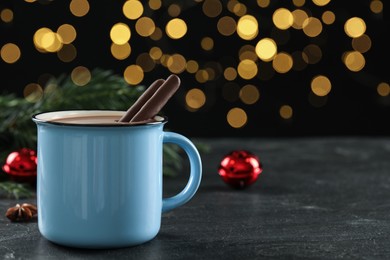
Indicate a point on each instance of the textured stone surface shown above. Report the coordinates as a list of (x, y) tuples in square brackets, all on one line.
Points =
[(316, 198)]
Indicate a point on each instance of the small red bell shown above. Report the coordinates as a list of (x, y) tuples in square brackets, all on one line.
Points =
[(240, 169)]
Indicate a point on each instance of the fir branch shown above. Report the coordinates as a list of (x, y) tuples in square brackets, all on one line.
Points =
[(13, 190)]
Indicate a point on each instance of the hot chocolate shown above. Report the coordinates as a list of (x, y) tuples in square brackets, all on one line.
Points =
[(89, 120), (93, 118)]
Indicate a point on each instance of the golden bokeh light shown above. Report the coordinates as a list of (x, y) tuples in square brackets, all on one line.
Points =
[(133, 74), (299, 16), (355, 27), (56, 45), (176, 63), (282, 62), (249, 94), (157, 34), (6, 15), (328, 17), (67, 33), (212, 8), (283, 18), (192, 66), (132, 9), (286, 112), (383, 89), (195, 99), (176, 28), (230, 73), (236, 117), (247, 69), (120, 52), (263, 3), (226, 26), (354, 61), (174, 10), (154, 4), (376, 6), (67, 53), (207, 43), (247, 27), (321, 85), (155, 53), (120, 33), (10, 53), (361, 44), (45, 40), (266, 49), (202, 76), (145, 26), (312, 27), (321, 2), (81, 76), (79, 8), (299, 3), (240, 9), (145, 62), (33, 92)]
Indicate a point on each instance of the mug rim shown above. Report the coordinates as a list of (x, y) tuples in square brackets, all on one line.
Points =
[(44, 117)]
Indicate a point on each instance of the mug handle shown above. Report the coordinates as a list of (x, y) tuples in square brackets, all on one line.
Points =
[(195, 171)]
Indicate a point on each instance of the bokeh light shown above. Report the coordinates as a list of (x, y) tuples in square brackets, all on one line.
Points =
[(383, 89), (132, 9), (195, 99), (67, 33), (249, 94), (237, 117), (10, 53), (133, 74), (355, 27), (283, 18), (145, 26), (354, 61), (247, 27), (6, 15), (266, 49), (120, 52), (321, 85), (226, 26), (120, 33), (286, 112), (79, 8), (33, 92), (176, 28), (81, 76)]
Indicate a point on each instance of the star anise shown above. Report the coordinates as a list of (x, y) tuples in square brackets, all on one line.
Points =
[(22, 212)]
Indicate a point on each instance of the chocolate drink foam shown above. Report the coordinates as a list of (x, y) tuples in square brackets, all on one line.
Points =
[(158, 99), (130, 113)]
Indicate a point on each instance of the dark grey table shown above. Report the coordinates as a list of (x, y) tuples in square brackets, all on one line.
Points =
[(321, 198)]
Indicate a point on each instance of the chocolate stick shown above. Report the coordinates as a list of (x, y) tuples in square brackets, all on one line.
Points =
[(141, 101), (158, 100)]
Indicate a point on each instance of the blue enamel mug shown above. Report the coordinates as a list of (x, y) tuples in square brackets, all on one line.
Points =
[(100, 185)]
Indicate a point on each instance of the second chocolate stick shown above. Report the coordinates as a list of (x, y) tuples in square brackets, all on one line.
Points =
[(158, 99)]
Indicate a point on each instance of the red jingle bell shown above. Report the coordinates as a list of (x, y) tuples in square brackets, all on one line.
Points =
[(240, 169), (21, 165)]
